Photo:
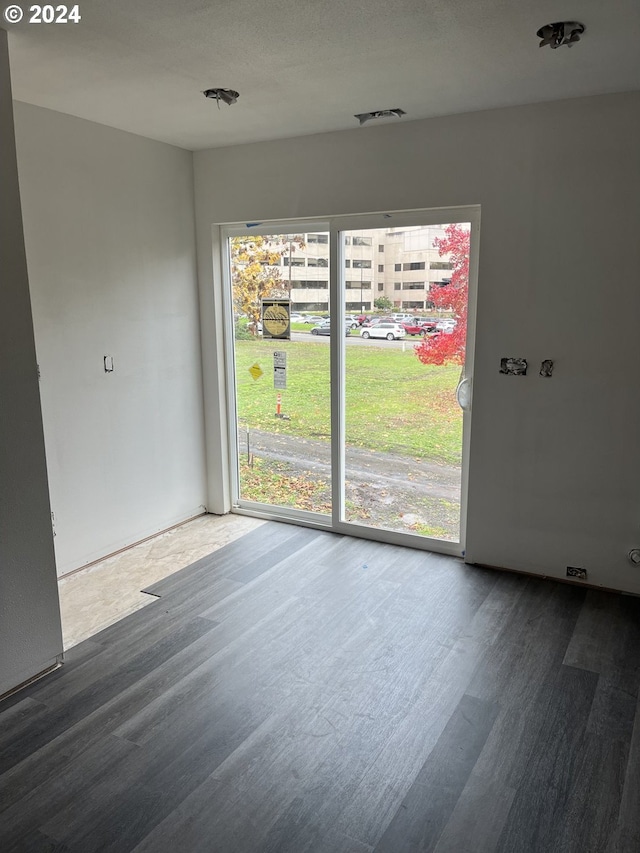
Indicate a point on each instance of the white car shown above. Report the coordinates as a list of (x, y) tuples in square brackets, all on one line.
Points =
[(390, 331), (446, 326)]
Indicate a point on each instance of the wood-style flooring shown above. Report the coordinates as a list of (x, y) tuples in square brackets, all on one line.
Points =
[(303, 691)]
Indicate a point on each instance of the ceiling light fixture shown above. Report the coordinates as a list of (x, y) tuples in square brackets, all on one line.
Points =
[(229, 96), (562, 32), (395, 113)]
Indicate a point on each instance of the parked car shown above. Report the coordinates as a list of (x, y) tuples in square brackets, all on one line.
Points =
[(413, 328), (313, 319), (373, 321), (446, 326), (325, 329), (327, 322), (361, 319), (390, 331), (351, 321), (427, 323)]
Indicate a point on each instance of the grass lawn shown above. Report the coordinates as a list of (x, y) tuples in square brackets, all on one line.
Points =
[(393, 402), (271, 482)]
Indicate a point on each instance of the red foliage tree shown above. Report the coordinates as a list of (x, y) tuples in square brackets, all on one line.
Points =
[(453, 296)]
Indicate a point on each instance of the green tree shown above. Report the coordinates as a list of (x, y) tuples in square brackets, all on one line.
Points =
[(382, 303)]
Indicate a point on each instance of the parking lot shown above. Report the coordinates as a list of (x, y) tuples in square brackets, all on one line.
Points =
[(354, 339)]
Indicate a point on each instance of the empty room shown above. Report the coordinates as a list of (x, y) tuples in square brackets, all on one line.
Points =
[(319, 469)]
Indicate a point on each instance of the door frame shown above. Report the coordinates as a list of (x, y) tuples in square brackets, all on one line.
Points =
[(334, 226)]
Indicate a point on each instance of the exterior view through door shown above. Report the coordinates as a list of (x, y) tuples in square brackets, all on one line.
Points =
[(378, 335)]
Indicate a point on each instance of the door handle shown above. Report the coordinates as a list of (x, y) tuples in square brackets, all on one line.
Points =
[(463, 394)]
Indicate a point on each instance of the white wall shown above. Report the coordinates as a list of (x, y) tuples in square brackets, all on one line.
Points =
[(555, 463), (30, 633), (109, 231)]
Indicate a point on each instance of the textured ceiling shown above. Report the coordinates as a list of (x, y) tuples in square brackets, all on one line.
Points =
[(306, 67)]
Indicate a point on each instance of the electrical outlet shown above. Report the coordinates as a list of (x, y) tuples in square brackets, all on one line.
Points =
[(574, 572)]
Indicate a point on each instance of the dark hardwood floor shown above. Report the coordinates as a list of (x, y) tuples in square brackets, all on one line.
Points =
[(303, 691)]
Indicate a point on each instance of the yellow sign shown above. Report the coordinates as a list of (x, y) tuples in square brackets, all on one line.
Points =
[(275, 318), (256, 371)]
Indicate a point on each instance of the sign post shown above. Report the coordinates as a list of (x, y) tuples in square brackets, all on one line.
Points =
[(280, 370), (280, 379)]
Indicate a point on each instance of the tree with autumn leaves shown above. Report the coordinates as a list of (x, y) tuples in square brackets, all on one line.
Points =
[(443, 347), (256, 272)]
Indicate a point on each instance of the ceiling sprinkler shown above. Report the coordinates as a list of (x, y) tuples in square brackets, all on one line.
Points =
[(229, 96), (562, 32)]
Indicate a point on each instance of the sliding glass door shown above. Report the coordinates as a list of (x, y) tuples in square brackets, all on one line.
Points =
[(403, 425), (281, 389), (349, 347)]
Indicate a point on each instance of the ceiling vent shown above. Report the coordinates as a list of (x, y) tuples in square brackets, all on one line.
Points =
[(562, 32), (229, 96), (395, 113)]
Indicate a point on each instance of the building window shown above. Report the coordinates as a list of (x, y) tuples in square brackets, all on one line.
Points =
[(360, 265), (310, 285), (413, 265), (381, 247), (317, 238), (380, 267), (440, 265), (347, 264), (397, 285), (397, 267), (309, 306), (317, 262), (358, 306), (357, 285), (380, 286), (295, 262), (413, 285), (347, 241), (412, 304), (362, 241)]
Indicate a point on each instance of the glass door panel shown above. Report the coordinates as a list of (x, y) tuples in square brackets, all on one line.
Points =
[(403, 426), (281, 386)]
